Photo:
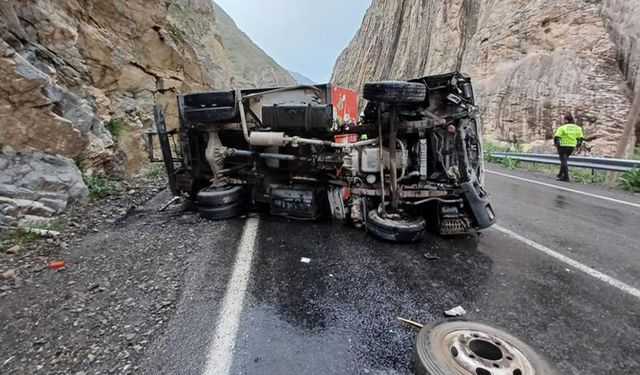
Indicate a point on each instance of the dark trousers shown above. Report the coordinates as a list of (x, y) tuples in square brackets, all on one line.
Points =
[(564, 153)]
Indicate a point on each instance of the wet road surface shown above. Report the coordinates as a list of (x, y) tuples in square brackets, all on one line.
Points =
[(337, 313)]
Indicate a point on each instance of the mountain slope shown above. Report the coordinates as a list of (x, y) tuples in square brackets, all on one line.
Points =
[(530, 60), (301, 79), (251, 65)]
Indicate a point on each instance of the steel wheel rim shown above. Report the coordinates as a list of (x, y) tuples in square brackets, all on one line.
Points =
[(481, 353)]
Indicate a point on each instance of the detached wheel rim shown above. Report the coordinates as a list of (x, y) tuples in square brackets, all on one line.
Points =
[(481, 353), (460, 347)]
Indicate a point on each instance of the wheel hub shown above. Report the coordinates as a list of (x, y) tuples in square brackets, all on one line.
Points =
[(481, 353)]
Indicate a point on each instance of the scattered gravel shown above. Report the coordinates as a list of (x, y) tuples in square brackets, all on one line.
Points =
[(121, 280)]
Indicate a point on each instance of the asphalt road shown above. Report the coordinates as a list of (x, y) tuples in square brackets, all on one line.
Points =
[(337, 313)]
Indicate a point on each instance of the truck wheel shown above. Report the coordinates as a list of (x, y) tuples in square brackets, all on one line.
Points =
[(209, 115), (403, 230), (394, 92), (469, 348), (222, 212), (210, 99), (216, 197)]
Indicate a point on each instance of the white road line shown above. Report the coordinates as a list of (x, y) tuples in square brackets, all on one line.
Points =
[(575, 264), (565, 189), (221, 350)]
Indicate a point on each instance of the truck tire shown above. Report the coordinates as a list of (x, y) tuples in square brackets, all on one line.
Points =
[(210, 99), (220, 196), (227, 211), (397, 92), (405, 230), (210, 115), (468, 348)]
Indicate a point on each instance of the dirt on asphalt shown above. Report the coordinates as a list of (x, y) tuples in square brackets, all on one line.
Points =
[(123, 270)]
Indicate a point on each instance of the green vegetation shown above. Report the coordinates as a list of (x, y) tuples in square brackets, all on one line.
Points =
[(178, 36), (115, 126), (100, 187), (139, 114), (586, 176), (630, 180), (23, 237), (153, 170), (490, 147), (18, 237)]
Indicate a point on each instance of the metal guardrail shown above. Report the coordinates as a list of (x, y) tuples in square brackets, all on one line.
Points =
[(593, 163)]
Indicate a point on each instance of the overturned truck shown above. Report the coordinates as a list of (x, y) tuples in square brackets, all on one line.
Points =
[(411, 161)]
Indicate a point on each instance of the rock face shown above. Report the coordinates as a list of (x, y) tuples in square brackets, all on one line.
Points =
[(73, 69), (530, 60), (35, 185)]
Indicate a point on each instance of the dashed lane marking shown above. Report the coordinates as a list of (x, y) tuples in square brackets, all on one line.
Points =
[(575, 264), (220, 354), (565, 189)]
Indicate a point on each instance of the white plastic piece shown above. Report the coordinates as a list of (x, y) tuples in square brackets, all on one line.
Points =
[(267, 139), (305, 260), (456, 311)]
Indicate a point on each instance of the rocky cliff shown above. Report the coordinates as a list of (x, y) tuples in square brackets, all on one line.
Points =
[(530, 59), (78, 78), (74, 69)]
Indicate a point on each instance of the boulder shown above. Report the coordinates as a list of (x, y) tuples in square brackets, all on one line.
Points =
[(36, 184)]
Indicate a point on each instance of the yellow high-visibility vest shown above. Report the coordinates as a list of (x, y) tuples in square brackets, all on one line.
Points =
[(569, 135)]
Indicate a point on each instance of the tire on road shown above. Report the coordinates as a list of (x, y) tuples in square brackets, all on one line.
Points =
[(470, 348), (210, 99), (404, 230), (209, 115), (222, 212), (397, 92), (219, 196)]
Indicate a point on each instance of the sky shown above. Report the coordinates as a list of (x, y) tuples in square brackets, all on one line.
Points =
[(304, 36)]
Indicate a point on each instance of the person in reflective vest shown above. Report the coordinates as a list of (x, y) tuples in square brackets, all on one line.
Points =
[(567, 138)]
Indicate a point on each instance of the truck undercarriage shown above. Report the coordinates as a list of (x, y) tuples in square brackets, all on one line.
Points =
[(412, 161)]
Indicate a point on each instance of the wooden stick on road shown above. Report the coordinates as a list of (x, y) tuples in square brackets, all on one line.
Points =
[(410, 322)]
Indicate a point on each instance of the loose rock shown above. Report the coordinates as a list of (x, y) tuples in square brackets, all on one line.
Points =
[(9, 274)]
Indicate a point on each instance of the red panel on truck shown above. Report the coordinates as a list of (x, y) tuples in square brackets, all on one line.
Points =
[(345, 105)]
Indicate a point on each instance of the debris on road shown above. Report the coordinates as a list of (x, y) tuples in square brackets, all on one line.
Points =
[(57, 264), (172, 201), (456, 311), (13, 249), (410, 322), (305, 260), (9, 274), (475, 348), (430, 256), (8, 360)]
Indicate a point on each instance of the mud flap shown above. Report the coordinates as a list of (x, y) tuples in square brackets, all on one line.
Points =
[(480, 206)]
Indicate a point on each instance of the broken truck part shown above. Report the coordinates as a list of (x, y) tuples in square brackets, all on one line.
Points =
[(471, 348), (412, 160)]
